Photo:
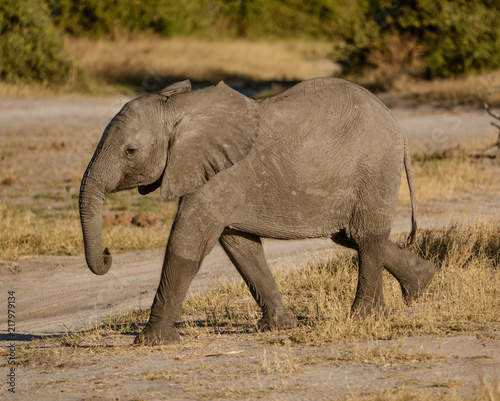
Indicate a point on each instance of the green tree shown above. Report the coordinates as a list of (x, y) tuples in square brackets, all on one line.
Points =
[(31, 48), (426, 37), (99, 18), (207, 18)]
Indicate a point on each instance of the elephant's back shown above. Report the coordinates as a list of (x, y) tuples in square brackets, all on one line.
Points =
[(338, 90), (330, 103), (327, 118)]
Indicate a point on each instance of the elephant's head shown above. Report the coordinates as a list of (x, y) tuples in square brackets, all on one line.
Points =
[(177, 139)]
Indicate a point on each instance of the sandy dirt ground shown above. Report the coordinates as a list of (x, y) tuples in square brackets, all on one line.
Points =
[(57, 295)]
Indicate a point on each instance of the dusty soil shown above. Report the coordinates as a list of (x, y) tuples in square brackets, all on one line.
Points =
[(57, 295)]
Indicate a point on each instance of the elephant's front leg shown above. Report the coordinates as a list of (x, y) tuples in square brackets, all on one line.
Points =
[(191, 239), (246, 253), (176, 276)]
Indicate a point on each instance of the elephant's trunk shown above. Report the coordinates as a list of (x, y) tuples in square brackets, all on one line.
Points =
[(91, 200)]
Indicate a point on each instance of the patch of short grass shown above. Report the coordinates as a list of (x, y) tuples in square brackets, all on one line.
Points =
[(439, 178), (55, 353), (130, 200), (50, 196), (381, 355), (467, 90), (30, 231), (485, 392)]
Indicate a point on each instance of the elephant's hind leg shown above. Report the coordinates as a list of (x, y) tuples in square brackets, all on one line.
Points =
[(246, 253), (413, 273), (369, 294)]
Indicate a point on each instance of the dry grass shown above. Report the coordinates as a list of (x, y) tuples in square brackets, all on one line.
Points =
[(27, 232), (111, 67), (24, 234), (393, 74), (376, 354), (462, 297), (439, 178), (154, 59), (469, 90), (485, 392)]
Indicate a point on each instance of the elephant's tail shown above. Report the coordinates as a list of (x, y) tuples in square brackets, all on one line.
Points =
[(409, 178)]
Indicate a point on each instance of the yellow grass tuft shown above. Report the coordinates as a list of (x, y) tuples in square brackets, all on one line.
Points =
[(439, 178)]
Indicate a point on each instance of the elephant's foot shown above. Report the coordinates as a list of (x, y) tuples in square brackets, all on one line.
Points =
[(363, 307), (278, 320), (158, 335), (413, 289), (413, 273)]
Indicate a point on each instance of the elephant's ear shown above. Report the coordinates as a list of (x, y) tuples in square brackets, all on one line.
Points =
[(178, 87), (217, 129)]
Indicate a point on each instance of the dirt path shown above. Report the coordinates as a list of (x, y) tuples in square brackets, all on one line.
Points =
[(56, 295), (229, 368)]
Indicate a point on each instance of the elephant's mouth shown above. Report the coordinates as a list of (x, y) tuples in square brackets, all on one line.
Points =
[(146, 189)]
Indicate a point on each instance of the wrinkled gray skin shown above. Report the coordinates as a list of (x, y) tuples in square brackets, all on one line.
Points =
[(323, 159)]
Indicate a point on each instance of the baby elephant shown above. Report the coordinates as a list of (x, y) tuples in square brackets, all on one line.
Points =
[(323, 159)]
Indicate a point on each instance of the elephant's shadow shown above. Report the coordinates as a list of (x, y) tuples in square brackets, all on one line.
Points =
[(8, 338)]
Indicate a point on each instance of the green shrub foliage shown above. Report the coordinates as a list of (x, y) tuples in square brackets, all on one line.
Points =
[(31, 48), (425, 37), (97, 18), (205, 18)]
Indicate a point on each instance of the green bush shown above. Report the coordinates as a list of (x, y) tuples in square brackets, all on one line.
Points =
[(467, 39), (424, 37), (206, 18), (31, 49), (97, 18), (284, 19)]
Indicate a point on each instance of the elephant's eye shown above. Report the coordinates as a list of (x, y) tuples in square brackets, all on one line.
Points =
[(130, 151)]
